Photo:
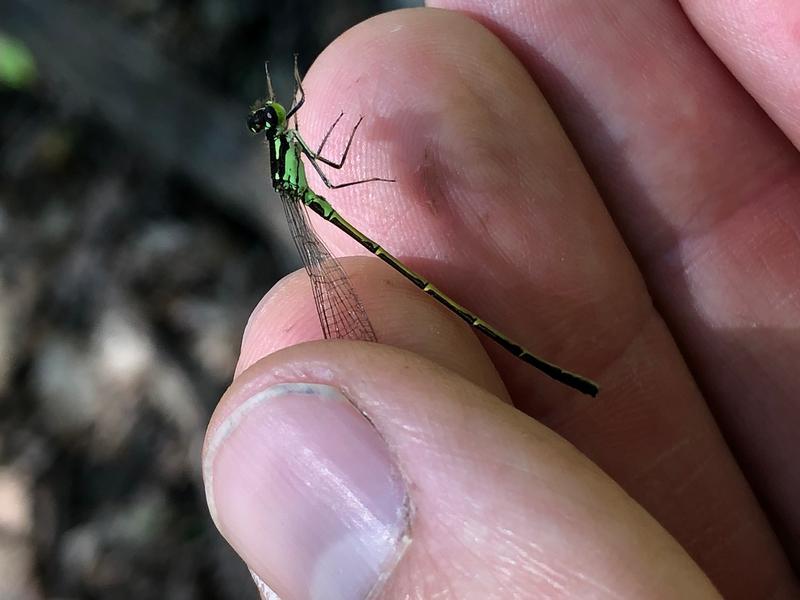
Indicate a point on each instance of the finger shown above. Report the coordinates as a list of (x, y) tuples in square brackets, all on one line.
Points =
[(441, 491), (493, 205), (758, 41), (704, 188), (512, 244), (400, 316)]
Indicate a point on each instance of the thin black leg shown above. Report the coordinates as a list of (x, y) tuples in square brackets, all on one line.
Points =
[(299, 86), (336, 186), (338, 165), (328, 134)]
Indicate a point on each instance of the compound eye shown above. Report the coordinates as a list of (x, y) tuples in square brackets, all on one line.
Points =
[(271, 117), (257, 121)]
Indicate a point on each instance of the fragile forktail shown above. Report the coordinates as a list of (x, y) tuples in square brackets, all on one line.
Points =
[(341, 313)]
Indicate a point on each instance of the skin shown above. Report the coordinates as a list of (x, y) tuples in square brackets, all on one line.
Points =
[(591, 178)]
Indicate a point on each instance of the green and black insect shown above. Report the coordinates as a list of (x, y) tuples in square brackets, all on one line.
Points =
[(341, 313)]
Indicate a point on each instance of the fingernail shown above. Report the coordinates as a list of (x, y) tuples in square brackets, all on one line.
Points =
[(305, 489)]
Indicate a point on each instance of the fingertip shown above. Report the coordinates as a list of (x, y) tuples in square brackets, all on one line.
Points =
[(304, 452), (415, 75)]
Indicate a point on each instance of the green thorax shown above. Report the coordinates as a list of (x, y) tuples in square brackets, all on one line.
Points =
[(286, 165)]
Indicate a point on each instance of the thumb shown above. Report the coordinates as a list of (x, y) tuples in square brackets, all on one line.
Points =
[(338, 470)]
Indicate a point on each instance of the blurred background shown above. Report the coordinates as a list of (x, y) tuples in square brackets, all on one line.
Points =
[(136, 234)]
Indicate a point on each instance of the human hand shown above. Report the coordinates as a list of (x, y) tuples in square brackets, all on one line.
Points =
[(445, 489)]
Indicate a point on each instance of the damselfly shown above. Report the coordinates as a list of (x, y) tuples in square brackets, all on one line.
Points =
[(341, 313)]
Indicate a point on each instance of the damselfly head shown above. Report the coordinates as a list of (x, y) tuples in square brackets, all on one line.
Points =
[(269, 118)]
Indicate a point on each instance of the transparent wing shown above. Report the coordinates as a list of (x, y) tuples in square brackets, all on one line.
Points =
[(341, 313)]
